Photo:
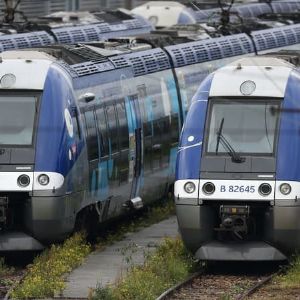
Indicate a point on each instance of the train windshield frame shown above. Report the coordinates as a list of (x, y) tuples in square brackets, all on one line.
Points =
[(242, 126), (18, 116)]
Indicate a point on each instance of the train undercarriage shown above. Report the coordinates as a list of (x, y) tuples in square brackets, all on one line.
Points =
[(29, 223), (234, 231)]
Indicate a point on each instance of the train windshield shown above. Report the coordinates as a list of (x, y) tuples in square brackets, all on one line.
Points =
[(17, 117), (242, 127)]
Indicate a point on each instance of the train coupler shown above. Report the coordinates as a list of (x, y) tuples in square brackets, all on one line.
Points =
[(234, 219)]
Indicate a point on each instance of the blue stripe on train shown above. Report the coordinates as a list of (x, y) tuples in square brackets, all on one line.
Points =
[(52, 136), (288, 159), (189, 152)]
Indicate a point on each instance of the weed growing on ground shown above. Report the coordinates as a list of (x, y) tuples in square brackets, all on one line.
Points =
[(291, 278), (226, 297), (151, 215), (103, 292), (45, 275), (4, 269), (128, 252), (168, 265), (8, 275)]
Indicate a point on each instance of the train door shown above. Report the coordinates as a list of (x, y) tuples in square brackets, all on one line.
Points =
[(135, 146)]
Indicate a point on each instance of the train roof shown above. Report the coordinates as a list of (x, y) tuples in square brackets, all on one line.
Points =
[(290, 56), (260, 61), (250, 9), (196, 11), (72, 18), (163, 3), (269, 75), (143, 56), (110, 24), (26, 55), (86, 59), (59, 29)]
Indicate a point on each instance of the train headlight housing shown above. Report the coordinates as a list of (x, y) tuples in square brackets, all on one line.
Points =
[(23, 180), (265, 189), (8, 80), (247, 88), (208, 188), (285, 188), (189, 187), (43, 179)]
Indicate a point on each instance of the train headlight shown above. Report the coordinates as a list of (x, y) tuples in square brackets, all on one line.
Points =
[(43, 179), (285, 188), (265, 189), (208, 188), (8, 80), (23, 180), (190, 187), (247, 88)]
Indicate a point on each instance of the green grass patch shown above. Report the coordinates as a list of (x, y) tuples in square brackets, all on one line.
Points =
[(168, 265), (147, 217), (4, 269), (8, 275), (291, 277), (46, 275)]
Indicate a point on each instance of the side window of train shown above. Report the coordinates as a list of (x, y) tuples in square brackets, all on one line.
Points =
[(91, 136), (112, 125), (157, 118), (102, 131), (146, 110), (175, 130), (123, 125), (75, 119)]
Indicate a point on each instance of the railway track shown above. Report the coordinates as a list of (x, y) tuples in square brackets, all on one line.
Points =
[(14, 270), (9, 281), (223, 281)]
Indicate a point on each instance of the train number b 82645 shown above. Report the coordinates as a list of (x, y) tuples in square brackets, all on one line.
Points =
[(237, 189)]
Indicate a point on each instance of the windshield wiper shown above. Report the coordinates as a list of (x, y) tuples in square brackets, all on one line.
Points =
[(235, 157), (219, 135)]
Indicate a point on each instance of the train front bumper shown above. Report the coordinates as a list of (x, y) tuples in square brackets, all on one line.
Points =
[(279, 232), (239, 251), (19, 241)]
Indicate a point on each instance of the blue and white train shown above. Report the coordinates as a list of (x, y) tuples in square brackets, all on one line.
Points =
[(237, 183), (87, 131)]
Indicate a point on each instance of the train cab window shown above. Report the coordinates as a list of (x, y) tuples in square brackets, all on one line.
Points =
[(102, 131), (112, 125), (17, 117), (245, 127), (123, 125), (91, 136)]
